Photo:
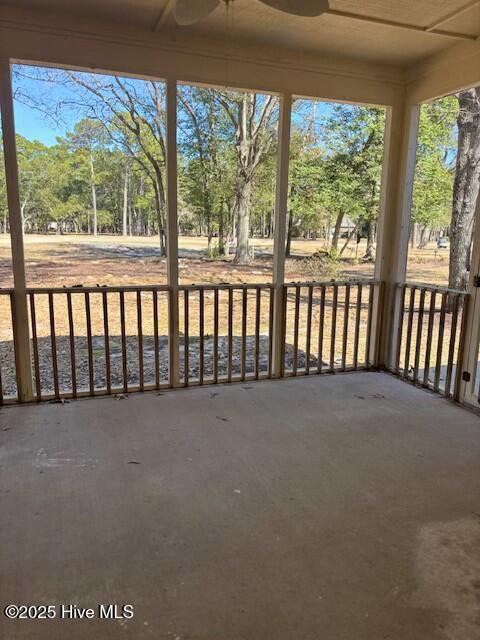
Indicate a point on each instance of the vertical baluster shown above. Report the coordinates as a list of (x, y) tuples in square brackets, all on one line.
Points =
[(186, 337), (106, 337), (441, 329), (258, 299), (201, 303), (461, 346), (368, 342), (270, 330), (451, 347), (71, 332), (244, 333), (124, 341), (1, 387), (380, 292), (428, 348), (230, 334), (333, 334), (155, 338), (345, 327), (321, 323), (140, 340), (309, 329), (13, 317), (358, 315), (10, 299), (89, 343), (36, 360), (53, 342), (401, 310), (284, 329), (296, 330), (215, 335), (411, 310), (418, 341)]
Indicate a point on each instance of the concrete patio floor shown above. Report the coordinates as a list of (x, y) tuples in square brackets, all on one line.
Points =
[(325, 508)]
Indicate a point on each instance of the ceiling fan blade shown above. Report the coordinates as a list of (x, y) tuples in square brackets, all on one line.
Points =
[(191, 11), (306, 8)]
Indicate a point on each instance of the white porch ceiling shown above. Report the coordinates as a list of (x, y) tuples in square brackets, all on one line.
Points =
[(256, 23)]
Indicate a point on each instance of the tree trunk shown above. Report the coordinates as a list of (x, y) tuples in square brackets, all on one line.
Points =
[(243, 199), (370, 250), (336, 231), (347, 241), (221, 231), (288, 246), (413, 235), (125, 201), (159, 205), (22, 215), (465, 187), (94, 196), (422, 242)]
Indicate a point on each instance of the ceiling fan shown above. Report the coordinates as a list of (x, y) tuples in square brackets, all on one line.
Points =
[(188, 12)]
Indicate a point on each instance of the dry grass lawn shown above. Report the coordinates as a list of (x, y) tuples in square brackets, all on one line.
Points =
[(79, 259)]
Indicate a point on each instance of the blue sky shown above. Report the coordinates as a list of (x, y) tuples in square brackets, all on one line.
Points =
[(33, 125), (30, 122)]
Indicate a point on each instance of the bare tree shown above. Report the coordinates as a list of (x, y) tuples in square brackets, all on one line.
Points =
[(125, 199), (251, 116), (131, 111), (465, 187)]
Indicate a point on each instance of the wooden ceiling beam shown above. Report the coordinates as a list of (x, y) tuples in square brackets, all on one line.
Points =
[(432, 28), (453, 14), (400, 25)]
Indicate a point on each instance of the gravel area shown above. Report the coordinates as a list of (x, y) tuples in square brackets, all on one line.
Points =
[(98, 348)]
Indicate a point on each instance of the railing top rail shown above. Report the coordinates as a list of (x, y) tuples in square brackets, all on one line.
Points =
[(430, 287), (136, 288), (225, 286), (204, 287), (99, 289), (330, 283)]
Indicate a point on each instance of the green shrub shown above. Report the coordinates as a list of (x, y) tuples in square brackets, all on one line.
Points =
[(322, 265)]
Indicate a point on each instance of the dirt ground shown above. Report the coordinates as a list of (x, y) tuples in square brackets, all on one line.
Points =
[(79, 259)]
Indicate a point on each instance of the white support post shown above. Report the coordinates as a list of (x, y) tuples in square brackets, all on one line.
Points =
[(281, 200), (468, 358), (401, 133), (172, 233), (21, 330)]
